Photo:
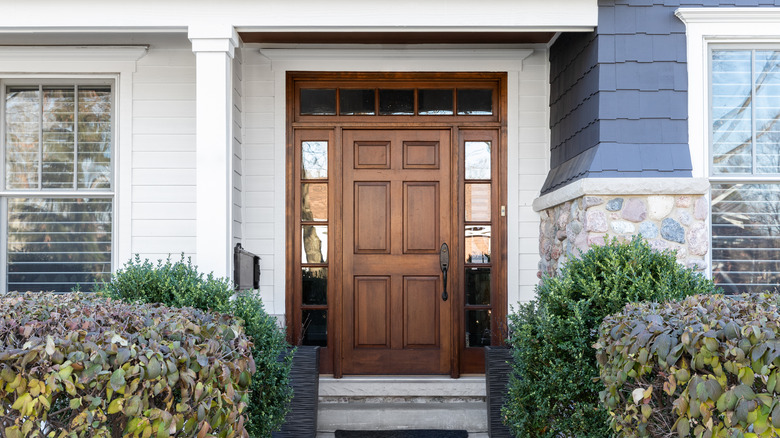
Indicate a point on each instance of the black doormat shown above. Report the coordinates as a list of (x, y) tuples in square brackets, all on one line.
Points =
[(417, 433)]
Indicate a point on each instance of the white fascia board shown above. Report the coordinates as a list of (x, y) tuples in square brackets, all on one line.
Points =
[(304, 15)]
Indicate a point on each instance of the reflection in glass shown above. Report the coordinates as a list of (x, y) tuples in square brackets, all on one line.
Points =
[(746, 237), (478, 244), (57, 169), (318, 102), (396, 102), (314, 160), (477, 328), (475, 102), (356, 102), (58, 244), (478, 286), (314, 202), (731, 112), (434, 102), (22, 125), (314, 286), (767, 111), (315, 327), (477, 202), (94, 138), (477, 160), (314, 239)]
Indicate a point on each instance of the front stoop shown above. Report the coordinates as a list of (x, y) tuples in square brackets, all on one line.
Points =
[(402, 402)]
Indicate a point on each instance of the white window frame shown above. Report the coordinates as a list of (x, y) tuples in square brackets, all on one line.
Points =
[(82, 64)]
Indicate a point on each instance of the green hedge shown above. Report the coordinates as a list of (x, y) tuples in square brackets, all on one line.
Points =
[(708, 366), (83, 366), (553, 391), (179, 284)]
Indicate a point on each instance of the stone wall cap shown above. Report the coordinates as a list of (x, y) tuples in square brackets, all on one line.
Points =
[(622, 187)]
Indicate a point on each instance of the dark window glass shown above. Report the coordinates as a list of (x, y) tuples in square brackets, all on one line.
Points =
[(396, 102), (356, 102), (316, 102), (477, 328), (315, 327), (475, 102), (314, 284), (478, 286), (435, 102)]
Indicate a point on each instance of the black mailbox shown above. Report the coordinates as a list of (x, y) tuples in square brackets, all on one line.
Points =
[(246, 269)]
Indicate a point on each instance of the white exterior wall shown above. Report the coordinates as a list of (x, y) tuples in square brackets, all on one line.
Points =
[(163, 191), (238, 140)]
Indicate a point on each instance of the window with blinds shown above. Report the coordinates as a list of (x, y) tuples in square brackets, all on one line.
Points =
[(57, 198), (745, 170)]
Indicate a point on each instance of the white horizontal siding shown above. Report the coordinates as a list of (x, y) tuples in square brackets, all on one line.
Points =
[(237, 146)]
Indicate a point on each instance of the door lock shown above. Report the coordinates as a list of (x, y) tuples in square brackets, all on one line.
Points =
[(444, 263)]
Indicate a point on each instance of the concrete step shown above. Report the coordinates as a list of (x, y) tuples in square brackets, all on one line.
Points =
[(395, 403)]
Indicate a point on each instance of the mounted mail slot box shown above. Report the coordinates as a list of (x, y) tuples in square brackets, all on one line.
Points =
[(246, 269)]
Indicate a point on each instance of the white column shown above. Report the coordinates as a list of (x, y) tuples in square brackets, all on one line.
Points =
[(214, 47)]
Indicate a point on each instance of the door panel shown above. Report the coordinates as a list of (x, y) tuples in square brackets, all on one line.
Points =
[(396, 214)]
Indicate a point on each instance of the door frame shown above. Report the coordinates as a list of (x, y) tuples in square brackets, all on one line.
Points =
[(463, 360)]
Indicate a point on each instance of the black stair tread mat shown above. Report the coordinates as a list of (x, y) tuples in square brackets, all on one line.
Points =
[(412, 433)]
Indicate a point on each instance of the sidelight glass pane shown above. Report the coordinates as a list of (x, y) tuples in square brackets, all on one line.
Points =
[(57, 168), (314, 285), (315, 327), (475, 102), (478, 202), (478, 286), (57, 244), (314, 239), (396, 102), (94, 139), (478, 328), (314, 160), (477, 160), (732, 136), (22, 137), (318, 102), (314, 202), (478, 244), (357, 102), (435, 102), (767, 111)]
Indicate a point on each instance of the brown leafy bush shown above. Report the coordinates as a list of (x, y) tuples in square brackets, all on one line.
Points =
[(708, 366), (79, 365)]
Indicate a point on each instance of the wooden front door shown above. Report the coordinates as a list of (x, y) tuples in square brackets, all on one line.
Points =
[(397, 212)]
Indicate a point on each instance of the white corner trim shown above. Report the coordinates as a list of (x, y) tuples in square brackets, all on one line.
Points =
[(622, 187)]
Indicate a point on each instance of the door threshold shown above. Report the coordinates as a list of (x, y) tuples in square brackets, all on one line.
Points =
[(402, 386)]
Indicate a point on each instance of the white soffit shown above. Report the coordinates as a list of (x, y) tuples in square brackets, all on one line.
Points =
[(300, 15)]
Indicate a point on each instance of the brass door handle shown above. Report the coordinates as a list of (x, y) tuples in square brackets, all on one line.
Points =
[(444, 263)]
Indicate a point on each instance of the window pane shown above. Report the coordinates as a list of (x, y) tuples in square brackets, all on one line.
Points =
[(478, 286), (58, 142), (478, 244), (435, 102), (477, 328), (94, 142), (58, 244), (731, 112), (396, 102), (477, 160), (475, 102), (746, 237), (315, 327), (314, 285), (314, 160), (314, 239), (314, 202), (356, 102), (316, 102), (477, 202), (767, 111), (22, 137)]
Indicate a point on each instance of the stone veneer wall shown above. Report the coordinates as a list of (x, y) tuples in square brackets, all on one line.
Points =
[(668, 222)]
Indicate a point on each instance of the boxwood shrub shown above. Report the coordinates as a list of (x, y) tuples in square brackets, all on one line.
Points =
[(179, 284), (707, 366), (78, 365), (554, 388)]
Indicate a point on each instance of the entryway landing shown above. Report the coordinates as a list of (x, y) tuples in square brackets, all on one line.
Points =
[(402, 402)]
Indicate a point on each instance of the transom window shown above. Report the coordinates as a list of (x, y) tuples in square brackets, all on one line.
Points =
[(745, 168), (57, 194)]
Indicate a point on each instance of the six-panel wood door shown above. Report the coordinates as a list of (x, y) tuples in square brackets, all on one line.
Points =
[(397, 210)]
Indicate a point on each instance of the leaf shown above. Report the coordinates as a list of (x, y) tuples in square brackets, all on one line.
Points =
[(646, 411), (204, 430), (118, 379), (153, 369), (13, 432), (75, 403), (49, 345), (638, 395), (115, 406)]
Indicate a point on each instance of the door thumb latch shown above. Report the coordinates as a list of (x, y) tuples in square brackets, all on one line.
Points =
[(444, 262)]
